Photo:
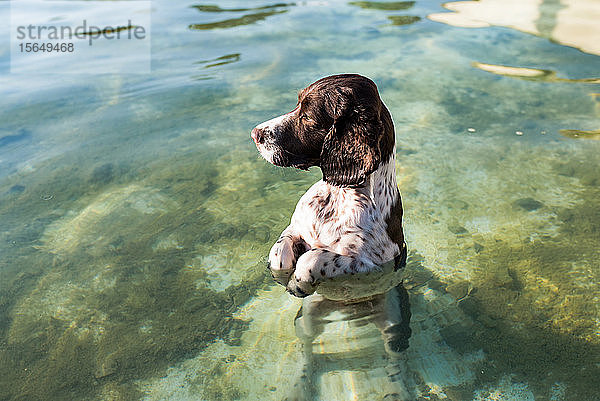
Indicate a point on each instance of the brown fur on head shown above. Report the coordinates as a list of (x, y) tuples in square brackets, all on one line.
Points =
[(339, 124)]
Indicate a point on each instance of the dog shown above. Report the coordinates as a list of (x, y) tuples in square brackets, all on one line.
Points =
[(351, 221), (344, 248)]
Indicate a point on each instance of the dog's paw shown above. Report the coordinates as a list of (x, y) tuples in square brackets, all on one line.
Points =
[(307, 275), (299, 288), (282, 260)]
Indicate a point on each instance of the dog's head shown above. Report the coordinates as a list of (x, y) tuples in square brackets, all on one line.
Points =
[(339, 124)]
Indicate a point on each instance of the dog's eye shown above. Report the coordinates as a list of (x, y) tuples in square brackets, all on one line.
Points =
[(305, 117)]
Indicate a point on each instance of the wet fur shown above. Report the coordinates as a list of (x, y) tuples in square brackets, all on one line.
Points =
[(351, 221)]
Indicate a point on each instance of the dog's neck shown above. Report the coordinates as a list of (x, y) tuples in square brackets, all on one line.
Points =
[(382, 186)]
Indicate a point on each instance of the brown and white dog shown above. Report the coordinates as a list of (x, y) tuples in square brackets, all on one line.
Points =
[(351, 221), (346, 227)]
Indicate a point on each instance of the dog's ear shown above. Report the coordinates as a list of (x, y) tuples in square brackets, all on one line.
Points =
[(351, 148)]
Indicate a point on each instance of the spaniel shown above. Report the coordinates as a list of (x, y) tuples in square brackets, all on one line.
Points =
[(350, 222), (345, 240)]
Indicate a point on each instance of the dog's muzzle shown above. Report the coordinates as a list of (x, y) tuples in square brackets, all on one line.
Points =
[(258, 136)]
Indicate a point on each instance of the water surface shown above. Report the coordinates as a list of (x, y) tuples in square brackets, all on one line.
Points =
[(135, 212)]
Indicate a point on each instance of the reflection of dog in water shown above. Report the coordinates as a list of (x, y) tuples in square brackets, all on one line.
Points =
[(345, 241)]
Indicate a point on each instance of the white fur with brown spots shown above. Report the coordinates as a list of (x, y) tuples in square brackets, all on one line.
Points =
[(345, 241), (350, 222), (342, 230)]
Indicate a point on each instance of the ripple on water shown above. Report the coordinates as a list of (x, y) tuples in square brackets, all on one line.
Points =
[(133, 257)]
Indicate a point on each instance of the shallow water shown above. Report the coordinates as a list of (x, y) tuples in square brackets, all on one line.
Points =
[(135, 212)]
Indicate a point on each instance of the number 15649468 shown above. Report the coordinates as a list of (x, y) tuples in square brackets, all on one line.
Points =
[(46, 47)]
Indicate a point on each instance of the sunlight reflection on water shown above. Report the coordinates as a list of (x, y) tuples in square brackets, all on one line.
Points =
[(135, 212)]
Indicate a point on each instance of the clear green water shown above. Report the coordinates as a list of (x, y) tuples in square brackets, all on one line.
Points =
[(135, 212)]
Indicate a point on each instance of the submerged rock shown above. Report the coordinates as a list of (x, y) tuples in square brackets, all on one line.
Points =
[(16, 189), (102, 174), (457, 229), (528, 204)]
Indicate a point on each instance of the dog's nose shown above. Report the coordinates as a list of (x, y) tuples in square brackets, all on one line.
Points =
[(258, 135)]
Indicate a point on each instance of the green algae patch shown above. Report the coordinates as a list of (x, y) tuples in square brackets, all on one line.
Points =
[(403, 19), (223, 60), (146, 328), (382, 5), (211, 8), (517, 250), (580, 134), (535, 306), (247, 19), (133, 276)]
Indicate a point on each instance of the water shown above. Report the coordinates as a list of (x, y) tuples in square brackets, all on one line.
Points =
[(135, 212)]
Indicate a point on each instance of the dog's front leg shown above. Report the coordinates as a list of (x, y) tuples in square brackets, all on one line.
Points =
[(317, 265), (284, 254)]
